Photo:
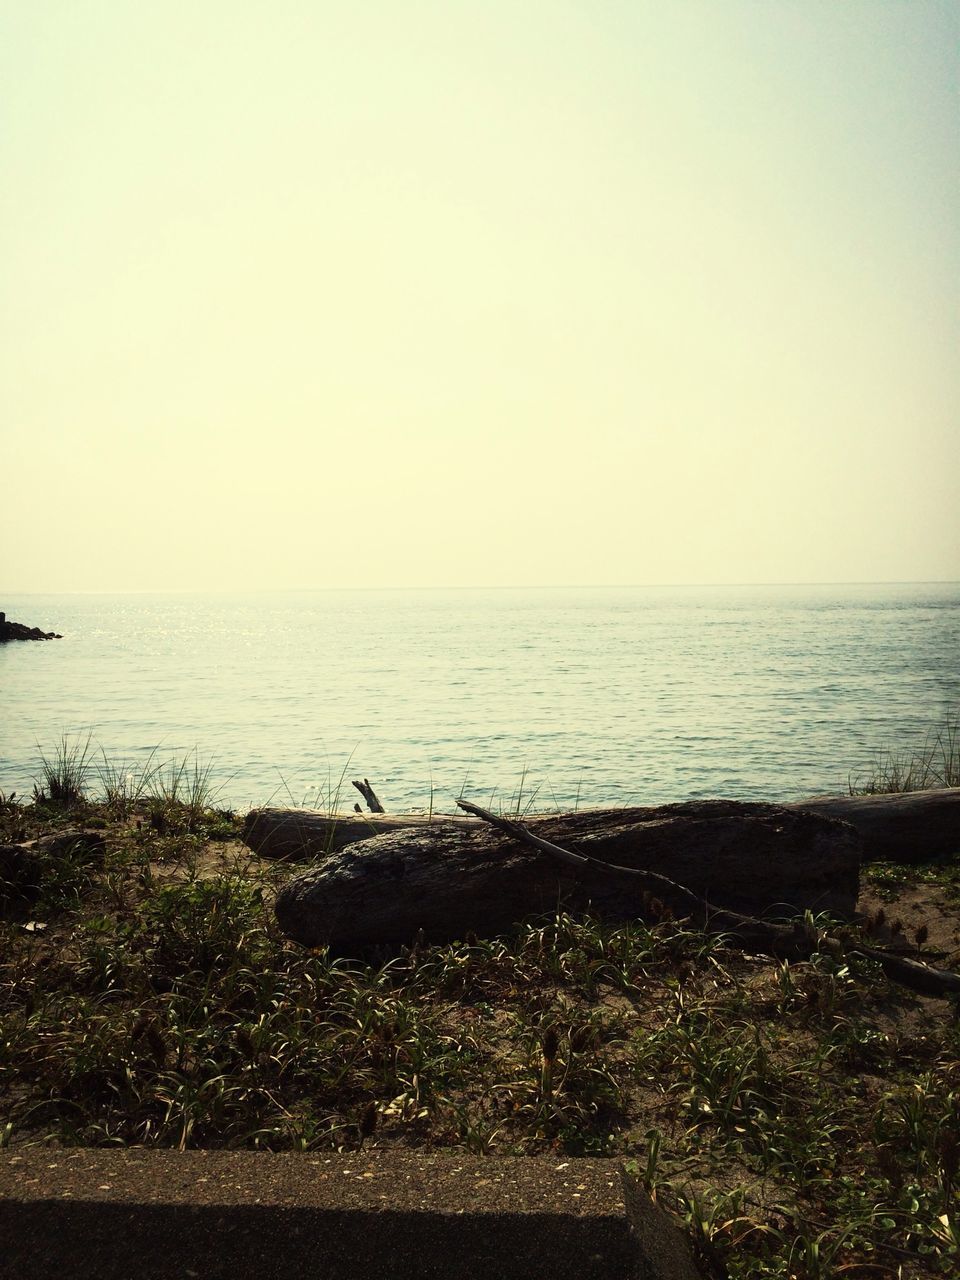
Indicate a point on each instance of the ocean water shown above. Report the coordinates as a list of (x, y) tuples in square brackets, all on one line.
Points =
[(545, 697)]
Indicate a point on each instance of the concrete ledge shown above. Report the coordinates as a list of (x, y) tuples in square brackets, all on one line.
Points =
[(119, 1214)]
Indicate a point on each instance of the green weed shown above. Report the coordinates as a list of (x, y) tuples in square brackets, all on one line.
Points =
[(65, 774), (935, 764), (124, 785), (181, 791)]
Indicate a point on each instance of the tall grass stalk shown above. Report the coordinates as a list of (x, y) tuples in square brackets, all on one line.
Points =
[(517, 806), (324, 797), (185, 784), (936, 764), (64, 776), (125, 784)]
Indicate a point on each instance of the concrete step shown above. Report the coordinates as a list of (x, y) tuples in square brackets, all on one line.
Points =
[(138, 1214)]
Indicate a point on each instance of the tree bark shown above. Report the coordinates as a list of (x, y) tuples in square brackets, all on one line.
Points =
[(368, 793), (911, 826), (794, 941), (448, 878), (304, 834)]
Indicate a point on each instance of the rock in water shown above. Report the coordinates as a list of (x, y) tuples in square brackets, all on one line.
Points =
[(17, 631)]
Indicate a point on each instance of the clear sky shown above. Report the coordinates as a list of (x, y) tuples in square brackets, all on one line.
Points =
[(436, 292)]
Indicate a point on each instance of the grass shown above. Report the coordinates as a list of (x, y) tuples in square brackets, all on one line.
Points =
[(65, 774), (890, 879), (327, 796), (181, 791), (124, 784), (935, 764), (800, 1120)]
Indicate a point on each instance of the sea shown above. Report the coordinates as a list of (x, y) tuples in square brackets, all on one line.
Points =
[(529, 699)]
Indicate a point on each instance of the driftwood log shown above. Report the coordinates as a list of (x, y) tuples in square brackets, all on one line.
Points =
[(794, 941), (911, 827), (305, 834), (448, 878), (371, 797)]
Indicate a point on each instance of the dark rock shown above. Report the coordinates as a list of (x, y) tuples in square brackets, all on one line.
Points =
[(22, 865), (19, 875), (17, 631), (84, 845)]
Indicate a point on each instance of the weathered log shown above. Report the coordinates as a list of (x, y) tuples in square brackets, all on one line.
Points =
[(303, 834), (910, 826), (924, 978), (368, 793), (450, 878), (793, 941)]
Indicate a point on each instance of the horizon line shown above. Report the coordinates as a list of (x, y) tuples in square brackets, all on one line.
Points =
[(564, 586)]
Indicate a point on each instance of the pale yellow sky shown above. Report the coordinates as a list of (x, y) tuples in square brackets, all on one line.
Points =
[(305, 294)]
